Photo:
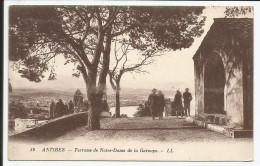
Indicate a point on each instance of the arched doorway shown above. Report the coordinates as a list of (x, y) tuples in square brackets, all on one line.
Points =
[(214, 83)]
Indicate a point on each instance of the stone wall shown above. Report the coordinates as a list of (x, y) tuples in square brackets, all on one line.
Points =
[(54, 127), (20, 124), (229, 52), (199, 88), (234, 96)]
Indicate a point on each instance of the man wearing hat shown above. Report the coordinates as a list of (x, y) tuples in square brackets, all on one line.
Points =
[(187, 98), (152, 102)]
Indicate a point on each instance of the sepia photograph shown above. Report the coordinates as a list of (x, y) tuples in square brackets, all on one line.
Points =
[(130, 82)]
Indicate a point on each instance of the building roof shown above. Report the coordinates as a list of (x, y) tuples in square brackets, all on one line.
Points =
[(242, 28)]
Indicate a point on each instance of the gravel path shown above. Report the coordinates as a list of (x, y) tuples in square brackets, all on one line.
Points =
[(145, 129)]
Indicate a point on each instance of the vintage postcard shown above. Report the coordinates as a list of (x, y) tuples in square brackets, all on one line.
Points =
[(130, 82)]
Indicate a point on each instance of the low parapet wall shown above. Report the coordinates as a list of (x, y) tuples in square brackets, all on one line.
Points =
[(224, 129), (54, 127)]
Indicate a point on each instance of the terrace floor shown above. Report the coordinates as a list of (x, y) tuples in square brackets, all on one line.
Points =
[(147, 133)]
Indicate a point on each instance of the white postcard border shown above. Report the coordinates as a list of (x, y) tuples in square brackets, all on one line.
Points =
[(147, 3)]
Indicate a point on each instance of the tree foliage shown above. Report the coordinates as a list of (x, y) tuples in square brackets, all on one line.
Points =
[(39, 33), (234, 11)]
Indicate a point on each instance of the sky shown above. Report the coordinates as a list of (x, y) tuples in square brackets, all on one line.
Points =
[(172, 69)]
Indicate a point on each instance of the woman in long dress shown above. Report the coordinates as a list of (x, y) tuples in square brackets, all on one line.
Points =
[(178, 107), (161, 104)]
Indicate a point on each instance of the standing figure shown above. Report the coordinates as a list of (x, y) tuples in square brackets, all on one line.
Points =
[(10, 89), (71, 107), (59, 108), (105, 106), (161, 104), (52, 107), (178, 107), (152, 102), (66, 109), (147, 109), (86, 106), (187, 98)]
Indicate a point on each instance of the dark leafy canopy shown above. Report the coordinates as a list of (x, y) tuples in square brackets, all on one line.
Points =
[(39, 33), (169, 27), (234, 11)]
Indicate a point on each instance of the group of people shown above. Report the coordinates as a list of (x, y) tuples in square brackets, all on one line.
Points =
[(60, 109), (177, 105), (156, 103)]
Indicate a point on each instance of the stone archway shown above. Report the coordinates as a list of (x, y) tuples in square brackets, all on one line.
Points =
[(214, 84)]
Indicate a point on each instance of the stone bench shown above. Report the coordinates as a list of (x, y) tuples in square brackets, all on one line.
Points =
[(219, 119)]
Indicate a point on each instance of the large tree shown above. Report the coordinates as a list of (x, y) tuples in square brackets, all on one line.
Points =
[(83, 35)]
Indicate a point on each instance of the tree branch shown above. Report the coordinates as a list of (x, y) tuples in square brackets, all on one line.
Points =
[(87, 21), (82, 69), (111, 20), (79, 49), (99, 19), (111, 80), (123, 31)]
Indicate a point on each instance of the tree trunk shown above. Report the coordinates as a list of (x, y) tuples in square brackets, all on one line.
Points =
[(94, 113), (117, 113), (95, 93), (105, 67), (95, 102)]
